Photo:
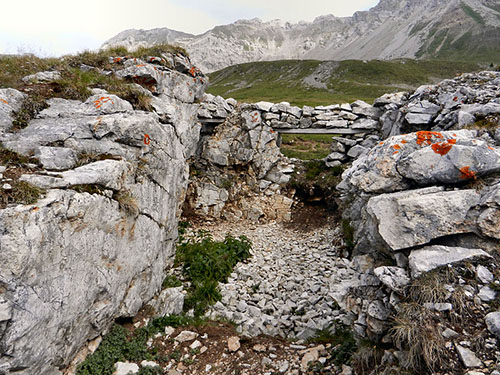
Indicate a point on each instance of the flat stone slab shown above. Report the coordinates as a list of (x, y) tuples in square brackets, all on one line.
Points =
[(415, 217), (321, 131), (432, 257)]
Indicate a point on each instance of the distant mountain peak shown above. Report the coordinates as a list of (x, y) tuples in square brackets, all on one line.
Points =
[(458, 29)]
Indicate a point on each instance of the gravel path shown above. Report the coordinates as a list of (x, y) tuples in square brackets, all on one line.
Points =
[(290, 285)]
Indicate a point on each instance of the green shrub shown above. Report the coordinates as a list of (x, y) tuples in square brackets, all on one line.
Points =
[(121, 345), (205, 263)]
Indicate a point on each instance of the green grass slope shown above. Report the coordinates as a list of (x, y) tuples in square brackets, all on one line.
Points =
[(311, 82)]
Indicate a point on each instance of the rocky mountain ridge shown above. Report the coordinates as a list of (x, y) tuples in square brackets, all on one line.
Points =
[(468, 29)]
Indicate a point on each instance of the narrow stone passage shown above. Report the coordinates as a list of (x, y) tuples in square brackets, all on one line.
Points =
[(290, 285)]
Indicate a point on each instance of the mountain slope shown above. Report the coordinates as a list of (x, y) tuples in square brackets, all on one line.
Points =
[(313, 82), (446, 29)]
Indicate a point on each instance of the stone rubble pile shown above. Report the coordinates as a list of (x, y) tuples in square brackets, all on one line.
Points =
[(97, 244), (290, 287)]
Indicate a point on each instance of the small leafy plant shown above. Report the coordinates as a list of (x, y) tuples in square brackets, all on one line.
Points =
[(205, 263)]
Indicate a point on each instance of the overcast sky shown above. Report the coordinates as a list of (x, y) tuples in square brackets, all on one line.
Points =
[(56, 27)]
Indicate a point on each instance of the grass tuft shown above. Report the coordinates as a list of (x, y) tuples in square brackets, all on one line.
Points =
[(127, 202)]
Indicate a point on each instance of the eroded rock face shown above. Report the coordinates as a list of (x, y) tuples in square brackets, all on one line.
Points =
[(74, 261)]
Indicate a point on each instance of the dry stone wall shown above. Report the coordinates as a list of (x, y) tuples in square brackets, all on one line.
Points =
[(426, 200)]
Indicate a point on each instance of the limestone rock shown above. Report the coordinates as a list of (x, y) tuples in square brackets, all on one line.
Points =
[(125, 368), (415, 217), (484, 275), (423, 157), (10, 102), (395, 278), (42, 77), (468, 357), (493, 323), (233, 343), (185, 336), (74, 262), (431, 257), (56, 158)]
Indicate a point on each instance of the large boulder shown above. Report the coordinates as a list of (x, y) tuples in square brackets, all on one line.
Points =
[(420, 159)]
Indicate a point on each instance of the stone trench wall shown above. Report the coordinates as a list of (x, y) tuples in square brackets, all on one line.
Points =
[(428, 199), (73, 262)]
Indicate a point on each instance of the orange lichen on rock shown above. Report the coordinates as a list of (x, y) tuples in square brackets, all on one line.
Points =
[(425, 137), (140, 65), (193, 71), (147, 139), (396, 147), (104, 99), (442, 148), (404, 141), (466, 173), (4, 101), (117, 60)]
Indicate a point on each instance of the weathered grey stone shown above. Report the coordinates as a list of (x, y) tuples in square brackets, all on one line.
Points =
[(431, 257), (465, 118), (377, 310), (423, 107), (450, 162), (448, 333), (419, 118), (395, 278), (280, 107), (493, 323), (263, 106), (488, 222), (360, 107), (415, 217), (484, 275), (169, 302), (468, 357), (336, 156), (74, 262), (486, 294), (56, 158), (424, 157), (336, 123), (42, 77), (10, 102), (365, 123), (125, 368), (440, 306), (397, 98), (337, 147), (5, 310), (356, 151)]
